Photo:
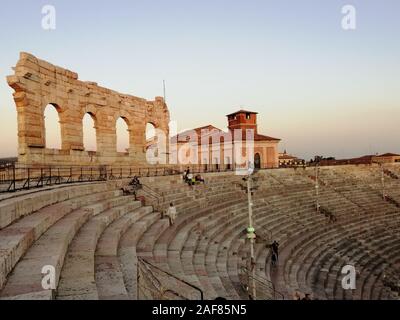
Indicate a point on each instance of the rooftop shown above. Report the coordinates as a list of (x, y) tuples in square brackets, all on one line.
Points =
[(241, 111), (389, 155), (185, 135)]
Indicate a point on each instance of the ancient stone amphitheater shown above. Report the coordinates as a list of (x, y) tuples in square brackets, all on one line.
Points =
[(105, 245)]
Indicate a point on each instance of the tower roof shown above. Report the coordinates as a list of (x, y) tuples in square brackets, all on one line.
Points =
[(241, 111)]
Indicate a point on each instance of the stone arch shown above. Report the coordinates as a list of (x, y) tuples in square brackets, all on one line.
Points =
[(124, 115), (54, 101), (52, 135), (59, 105), (89, 135), (120, 136), (128, 119), (151, 140), (160, 138), (150, 130), (62, 110), (92, 111), (156, 126)]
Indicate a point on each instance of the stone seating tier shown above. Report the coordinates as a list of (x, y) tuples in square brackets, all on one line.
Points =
[(93, 235)]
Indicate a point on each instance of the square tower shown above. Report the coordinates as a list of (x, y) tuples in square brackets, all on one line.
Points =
[(242, 119)]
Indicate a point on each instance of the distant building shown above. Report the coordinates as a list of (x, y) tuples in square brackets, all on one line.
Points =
[(288, 160), (386, 158), (220, 153), (367, 159)]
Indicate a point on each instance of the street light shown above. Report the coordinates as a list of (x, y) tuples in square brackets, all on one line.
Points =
[(382, 180), (317, 186), (250, 230)]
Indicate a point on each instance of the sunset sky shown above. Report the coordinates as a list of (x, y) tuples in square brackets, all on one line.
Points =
[(319, 88)]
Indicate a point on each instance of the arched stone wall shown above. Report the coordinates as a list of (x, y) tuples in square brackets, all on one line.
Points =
[(38, 83)]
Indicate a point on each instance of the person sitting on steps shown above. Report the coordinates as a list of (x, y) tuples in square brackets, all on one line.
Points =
[(132, 187), (135, 182), (199, 178), (185, 174), (190, 179)]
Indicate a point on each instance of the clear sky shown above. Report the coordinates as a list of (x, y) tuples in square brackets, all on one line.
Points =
[(319, 88)]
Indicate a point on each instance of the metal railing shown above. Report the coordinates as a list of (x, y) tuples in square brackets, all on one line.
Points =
[(14, 177), (158, 284), (159, 198), (7, 162), (263, 286)]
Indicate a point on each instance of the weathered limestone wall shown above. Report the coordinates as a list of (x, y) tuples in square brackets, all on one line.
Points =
[(38, 83)]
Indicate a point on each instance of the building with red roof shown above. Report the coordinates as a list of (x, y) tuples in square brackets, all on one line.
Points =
[(218, 148)]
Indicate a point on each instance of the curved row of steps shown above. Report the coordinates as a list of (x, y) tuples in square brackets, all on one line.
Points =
[(64, 235), (210, 258), (18, 237), (94, 239), (302, 251), (150, 244), (77, 279), (108, 270)]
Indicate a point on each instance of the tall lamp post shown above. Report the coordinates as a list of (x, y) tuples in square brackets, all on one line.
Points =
[(250, 230), (317, 186), (382, 180)]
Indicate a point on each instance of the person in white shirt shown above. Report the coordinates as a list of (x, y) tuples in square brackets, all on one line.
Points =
[(171, 213), (189, 179)]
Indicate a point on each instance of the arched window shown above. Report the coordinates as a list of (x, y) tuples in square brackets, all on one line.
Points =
[(89, 132), (52, 127), (122, 135)]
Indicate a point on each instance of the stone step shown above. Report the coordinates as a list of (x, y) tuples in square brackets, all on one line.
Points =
[(127, 252), (14, 208), (49, 249), (77, 279), (109, 276), (18, 237)]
